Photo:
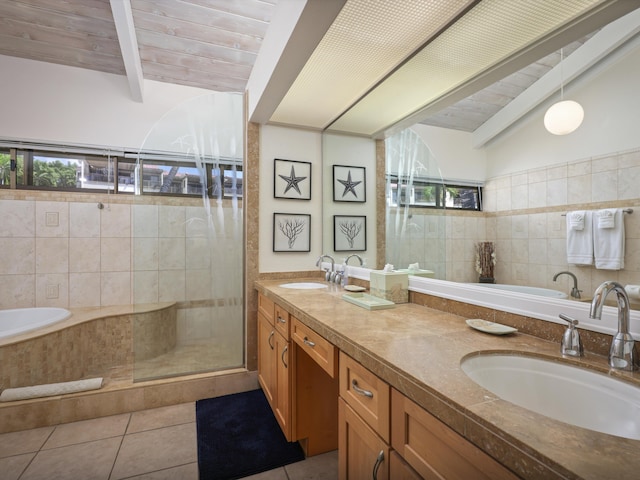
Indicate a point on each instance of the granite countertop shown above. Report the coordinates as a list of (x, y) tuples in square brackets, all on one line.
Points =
[(418, 350)]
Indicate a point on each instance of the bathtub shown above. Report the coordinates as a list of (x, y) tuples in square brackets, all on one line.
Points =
[(20, 320), (543, 292)]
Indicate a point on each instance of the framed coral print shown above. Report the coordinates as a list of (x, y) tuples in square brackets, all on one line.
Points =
[(291, 179), (291, 232), (349, 233), (349, 184)]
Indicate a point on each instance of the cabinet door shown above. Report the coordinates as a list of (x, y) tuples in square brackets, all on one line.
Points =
[(361, 453), (284, 367), (266, 357), (400, 470), (436, 451)]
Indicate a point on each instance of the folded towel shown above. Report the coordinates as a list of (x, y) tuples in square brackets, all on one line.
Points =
[(50, 389), (576, 219), (633, 291), (608, 243), (606, 218), (580, 242)]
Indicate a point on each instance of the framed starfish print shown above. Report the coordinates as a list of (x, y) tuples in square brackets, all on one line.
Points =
[(349, 184), (291, 179)]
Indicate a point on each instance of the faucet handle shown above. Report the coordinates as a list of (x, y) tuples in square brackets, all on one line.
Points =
[(570, 343)]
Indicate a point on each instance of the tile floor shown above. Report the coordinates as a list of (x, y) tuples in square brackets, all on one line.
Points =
[(156, 444)]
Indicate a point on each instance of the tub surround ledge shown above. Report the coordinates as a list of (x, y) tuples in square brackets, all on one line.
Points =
[(417, 349)]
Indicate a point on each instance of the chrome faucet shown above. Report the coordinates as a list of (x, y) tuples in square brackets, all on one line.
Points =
[(622, 354), (346, 260), (575, 293), (330, 274), (571, 344)]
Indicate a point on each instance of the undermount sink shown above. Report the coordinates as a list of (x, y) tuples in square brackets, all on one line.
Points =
[(304, 285), (570, 394)]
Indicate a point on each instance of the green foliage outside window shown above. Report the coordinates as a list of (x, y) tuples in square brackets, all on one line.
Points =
[(5, 169), (53, 174)]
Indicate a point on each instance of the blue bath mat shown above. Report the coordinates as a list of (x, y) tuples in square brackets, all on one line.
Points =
[(238, 436)]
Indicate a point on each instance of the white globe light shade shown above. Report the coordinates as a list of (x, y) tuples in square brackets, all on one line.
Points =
[(563, 117)]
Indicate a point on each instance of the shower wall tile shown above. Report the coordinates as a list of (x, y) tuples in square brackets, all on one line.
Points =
[(604, 186), (84, 255), (537, 194), (52, 255), (198, 285), (115, 288), (628, 183), (557, 192), (145, 287), (18, 218), (115, 255), (520, 196), (84, 220), (18, 291), (171, 222), (84, 289), (171, 253), (52, 290), (579, 189), (145, 220), (172, 286), (17, 255), (115, 221), (52, 219), (145, 254), (198, 253), (196, 224)]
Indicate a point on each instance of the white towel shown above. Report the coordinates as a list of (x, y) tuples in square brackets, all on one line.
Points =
[(608, 243), (606, 218), (580, 242), (576, 219), (50, 389), (633, 291)]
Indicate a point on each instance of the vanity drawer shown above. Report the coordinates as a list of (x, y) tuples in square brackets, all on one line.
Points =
[(320, 350), (266, 307), (281, 321), (367, 394)]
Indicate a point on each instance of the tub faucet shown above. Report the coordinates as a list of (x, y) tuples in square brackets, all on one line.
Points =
[(346, 260), (331, 274), (575, 293), (622, 354)]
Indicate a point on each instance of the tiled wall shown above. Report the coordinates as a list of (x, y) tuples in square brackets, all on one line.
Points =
[(523, 215), (62, 250)]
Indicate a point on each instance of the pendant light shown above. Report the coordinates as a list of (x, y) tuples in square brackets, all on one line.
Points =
[(564, 116)]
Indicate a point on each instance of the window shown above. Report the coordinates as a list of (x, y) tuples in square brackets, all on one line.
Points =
[(159, 174), (430, 194)]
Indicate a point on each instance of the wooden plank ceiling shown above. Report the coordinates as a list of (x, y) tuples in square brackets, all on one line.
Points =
[(210, 44)]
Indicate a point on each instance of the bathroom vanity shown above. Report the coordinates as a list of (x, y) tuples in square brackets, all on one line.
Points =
[(390, 383)]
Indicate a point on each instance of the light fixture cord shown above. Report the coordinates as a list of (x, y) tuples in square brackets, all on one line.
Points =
[(561, 77)]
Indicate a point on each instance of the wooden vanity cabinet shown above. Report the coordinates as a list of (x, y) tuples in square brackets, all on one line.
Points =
[(297, 370)]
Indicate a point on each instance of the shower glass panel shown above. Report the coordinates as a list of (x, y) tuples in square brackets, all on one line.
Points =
[(187, 241), (415, 233)]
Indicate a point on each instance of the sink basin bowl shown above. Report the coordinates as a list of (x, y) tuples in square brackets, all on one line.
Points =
[(570, 394), (304, 285)]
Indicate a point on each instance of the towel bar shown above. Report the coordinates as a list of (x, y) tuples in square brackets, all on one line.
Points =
[(626, 210)]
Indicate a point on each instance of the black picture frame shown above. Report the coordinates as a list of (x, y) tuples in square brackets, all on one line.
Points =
[(349, 184), (291, 179), (291, 232), (349, 233)]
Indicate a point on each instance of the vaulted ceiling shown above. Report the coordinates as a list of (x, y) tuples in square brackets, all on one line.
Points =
[(214, 44)]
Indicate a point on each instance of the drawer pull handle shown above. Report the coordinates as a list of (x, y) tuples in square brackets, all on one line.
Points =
[(376, 467), (284, 350), (281, 320), (269, 339), (309, 342), (361, 391)]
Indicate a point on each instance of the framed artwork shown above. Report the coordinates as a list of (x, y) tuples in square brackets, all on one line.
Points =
[(349, 233), (291, 179), (291, 232), (349, 184)]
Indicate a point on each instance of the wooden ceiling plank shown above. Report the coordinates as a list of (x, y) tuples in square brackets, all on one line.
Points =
[(166, 57), (48, 52), (255, 9), (64, 38), (201, 79), (193, 47), (95, 9), (123, 19), (188, 83), (200, 15), (206, 34)]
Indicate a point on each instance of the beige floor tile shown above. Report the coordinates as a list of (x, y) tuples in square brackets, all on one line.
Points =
[(87, 431), (155, 450), (162, 417), (25, 441), (318, 467), (90, 461), (275, 474), (183, 472), (12, 467)]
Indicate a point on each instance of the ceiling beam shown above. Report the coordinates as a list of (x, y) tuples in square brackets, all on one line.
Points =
[(593, 51), (123, 18)]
